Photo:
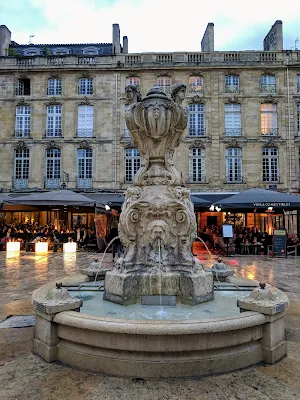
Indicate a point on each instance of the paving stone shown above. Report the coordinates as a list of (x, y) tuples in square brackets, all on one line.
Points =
[(18, 321)]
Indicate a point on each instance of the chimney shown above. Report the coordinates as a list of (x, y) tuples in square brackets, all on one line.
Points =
[(5, 38), (125, 44), (274, 40), (208, 41), (116, 39)]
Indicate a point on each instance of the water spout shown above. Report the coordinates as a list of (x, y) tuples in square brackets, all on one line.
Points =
[(100, 264), (209, 252)]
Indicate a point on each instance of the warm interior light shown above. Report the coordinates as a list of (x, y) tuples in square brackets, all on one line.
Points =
[(70, 247), (13, 246), (41, 247), (211, 208), (107, 208), (270, 208)]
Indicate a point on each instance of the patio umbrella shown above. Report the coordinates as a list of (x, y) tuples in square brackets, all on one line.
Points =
[(261, 199), (199, 202), (54, 198)]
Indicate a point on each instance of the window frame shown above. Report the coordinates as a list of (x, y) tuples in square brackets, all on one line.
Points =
[(56, 89), (197, 165), (268, 164), (269, 119), (87, 128), (54, 120), (23, 121), (234, 172), (196, 119), (85, 86), (232, 118), (132, 164)]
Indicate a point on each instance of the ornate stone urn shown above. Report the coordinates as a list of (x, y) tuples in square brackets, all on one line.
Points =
[(157, 224)]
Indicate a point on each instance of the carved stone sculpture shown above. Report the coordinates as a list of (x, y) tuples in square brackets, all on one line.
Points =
[(157, 224)]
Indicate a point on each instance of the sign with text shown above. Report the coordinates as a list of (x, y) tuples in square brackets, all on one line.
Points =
[(279, 242), (227, 231)]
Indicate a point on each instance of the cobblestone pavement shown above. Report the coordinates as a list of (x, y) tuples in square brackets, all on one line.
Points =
[(24, 375)]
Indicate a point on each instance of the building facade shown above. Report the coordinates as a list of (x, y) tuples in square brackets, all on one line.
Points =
[(62, 114)]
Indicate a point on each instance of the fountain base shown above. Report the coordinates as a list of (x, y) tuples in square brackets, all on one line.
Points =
[(190, 287)]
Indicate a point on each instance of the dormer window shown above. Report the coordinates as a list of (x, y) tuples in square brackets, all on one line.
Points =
[(32, 51), (61, 51), (90, 50)]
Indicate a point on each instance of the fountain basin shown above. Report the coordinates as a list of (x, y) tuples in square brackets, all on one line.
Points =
[(156, 348)]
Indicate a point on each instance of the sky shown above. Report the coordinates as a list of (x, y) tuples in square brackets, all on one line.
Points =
[(151, 25)]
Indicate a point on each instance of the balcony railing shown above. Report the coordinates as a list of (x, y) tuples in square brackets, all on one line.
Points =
[(84, 183), (25, 62), (84, 132), (232, 89), (233, 131), (20, 183), (231, 57), (164, 58), (52, 183), (55, 60), (268, 88), (196, 131), (195, 88), (53, 132), (194, 178), (86, 60), (22, 133), (133, 59), (269, 132)]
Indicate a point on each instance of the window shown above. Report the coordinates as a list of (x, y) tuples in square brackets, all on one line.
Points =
[(85, 86), (298, 119), (61, 51), (54, 121), (23, 88), (52, 168), (270, 164), (31, 51), (196, 120), (22, 128), (232, 84), (21, 168), (133, 80), (234, 165), (90, 50), (85, 121), (268, 84), (132, 164), (196, 84), (268, 119), (197, 165), (233, 120), (84, 168), (165, 83), (54, 87), (298, 83)]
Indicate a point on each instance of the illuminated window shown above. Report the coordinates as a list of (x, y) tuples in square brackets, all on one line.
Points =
[(268, 119), (234, 165), (133, 80), (196, 84), (270, 164), (233, 120), (197, 165)]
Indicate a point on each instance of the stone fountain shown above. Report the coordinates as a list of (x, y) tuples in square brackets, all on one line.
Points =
[(157, 224), (206, 332)]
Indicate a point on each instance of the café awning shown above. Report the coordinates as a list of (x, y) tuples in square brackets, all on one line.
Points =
[(261, 200)]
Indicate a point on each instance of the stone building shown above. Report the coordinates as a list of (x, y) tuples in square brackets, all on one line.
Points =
[(62, 114)]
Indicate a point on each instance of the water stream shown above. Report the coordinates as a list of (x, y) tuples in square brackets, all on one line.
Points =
[(100, 264), (209, 252)]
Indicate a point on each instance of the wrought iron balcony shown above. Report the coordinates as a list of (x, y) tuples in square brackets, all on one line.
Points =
[(84, 132), (53, 132), (84, 183), (195, 178), (269, 131), (22, 133), (234, 179), (195, 89), (268, 88), (52, 183), (232, 88), (196, 131), (233, 131), (19, 183)]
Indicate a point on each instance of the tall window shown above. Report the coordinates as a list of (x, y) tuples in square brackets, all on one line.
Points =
[(132, 164), (52, 168), (54, 121), (270, 164), (85, 121), (22, 128), (298, 119), (196, 120), (233, 120), (268, 84), (197, 165), (165, 83), (268, 119), (23, 88), (84, 168), (298, 83), (85, 86), (234, 165), (133, 80), (196, 84), (232, 84), (54, 87), (21, 168)]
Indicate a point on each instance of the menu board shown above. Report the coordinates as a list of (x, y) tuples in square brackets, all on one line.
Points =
[(279, 242), (227, 231)]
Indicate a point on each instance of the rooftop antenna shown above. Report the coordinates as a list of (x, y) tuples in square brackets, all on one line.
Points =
[(30, 39)]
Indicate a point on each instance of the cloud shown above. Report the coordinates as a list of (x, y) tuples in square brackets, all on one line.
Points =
[(151, 25)]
